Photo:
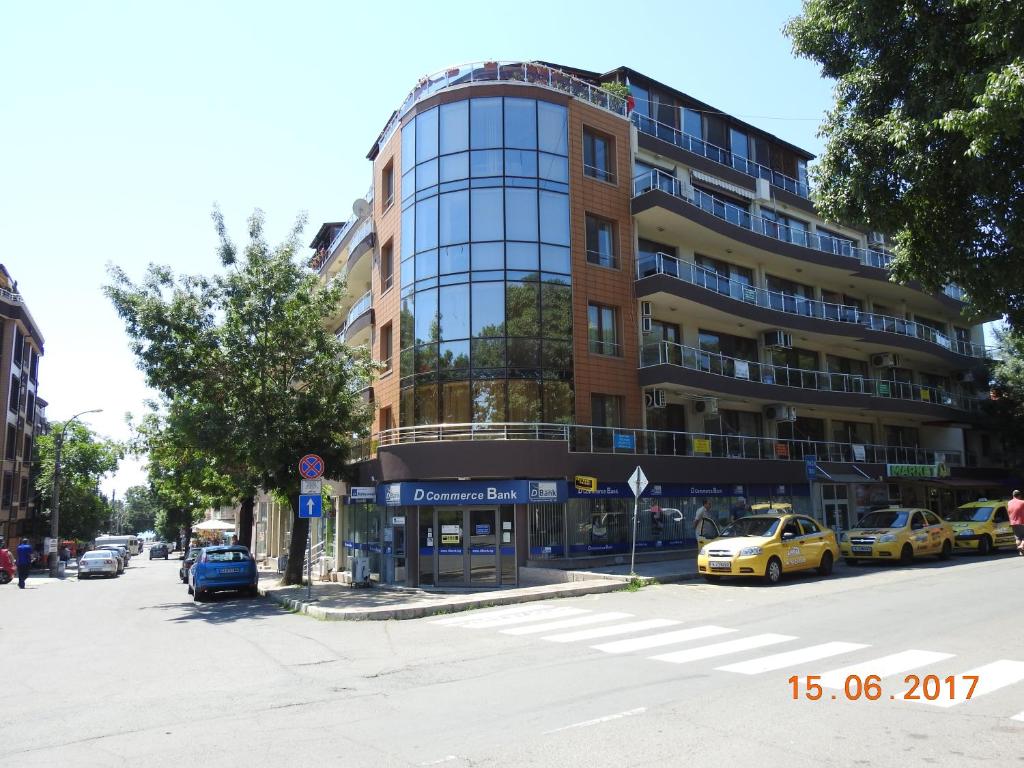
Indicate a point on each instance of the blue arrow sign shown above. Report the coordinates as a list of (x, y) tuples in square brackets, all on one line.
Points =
[(311, 506)]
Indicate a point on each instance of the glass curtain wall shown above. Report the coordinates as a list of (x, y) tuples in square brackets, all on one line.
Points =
[(486, 312)]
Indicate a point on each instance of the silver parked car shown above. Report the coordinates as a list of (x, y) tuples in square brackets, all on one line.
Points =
[(98, 562), (119, 551)]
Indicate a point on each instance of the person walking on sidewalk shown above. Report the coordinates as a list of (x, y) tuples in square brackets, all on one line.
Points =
[(24, 562), (1016, 510)]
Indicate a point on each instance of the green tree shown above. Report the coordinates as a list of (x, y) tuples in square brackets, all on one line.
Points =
[(85, 460), (249, 363), (924, 140), (141, 507), (1005, 408)]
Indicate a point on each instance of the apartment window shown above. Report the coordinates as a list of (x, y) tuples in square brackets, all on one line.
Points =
[(606, 410), (804, 428), (387, 185), (30, 410), (601, 242), (647, 256), (386, 420), (15, 394), (598, 156), (12, 442), (387, 266), (902, 436), (603, 330), (19, 344), (729, 422), (846, 365), (804, 359), (692, 123), (740, 147), (8, 493), (722, 277), (662, 331), (27, 456), (34, 367), (852, 432), (23, 497), (935, 325), (385, 345), (784, 228)]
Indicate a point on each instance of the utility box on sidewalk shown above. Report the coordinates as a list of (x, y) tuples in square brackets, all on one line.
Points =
[(361, 570)]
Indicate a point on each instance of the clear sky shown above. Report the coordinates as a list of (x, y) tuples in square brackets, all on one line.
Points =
[(121, 123)]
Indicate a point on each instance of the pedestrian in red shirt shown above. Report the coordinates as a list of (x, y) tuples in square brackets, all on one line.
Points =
[(1016, 510)]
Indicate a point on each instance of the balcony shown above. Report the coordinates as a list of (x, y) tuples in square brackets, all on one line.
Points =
[(781, 383), (688, 272), (740, 217), (719, 155), (581, 438), (529, 73), (11, 296), (359, 318)]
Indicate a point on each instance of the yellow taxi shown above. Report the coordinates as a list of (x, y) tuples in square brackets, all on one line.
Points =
[(897, 533), (779, 507), (765, 546), (981, 526)]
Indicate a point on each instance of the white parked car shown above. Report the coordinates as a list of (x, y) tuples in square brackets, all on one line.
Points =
[(98, 562), (119, 551)]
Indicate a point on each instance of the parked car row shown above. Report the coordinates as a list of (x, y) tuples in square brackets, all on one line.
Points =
[(219, 568), (769, 545), (107, 560)]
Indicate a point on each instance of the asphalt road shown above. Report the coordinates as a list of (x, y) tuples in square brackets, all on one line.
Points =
[(130, 671)]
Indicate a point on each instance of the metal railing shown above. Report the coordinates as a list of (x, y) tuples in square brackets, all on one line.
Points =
[(364, 229), (719, 155), (11, 295), (363, 303), (599, 173), (670, 353), (603, 259), (688, 272), (602, 347), (741, 217), (582, 438), (532, 73)]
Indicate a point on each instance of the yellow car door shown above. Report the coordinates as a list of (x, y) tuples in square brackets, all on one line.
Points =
[(1002, 533), (707, 530), (938, 532), (920, 538), (814, 544), (792, 540)]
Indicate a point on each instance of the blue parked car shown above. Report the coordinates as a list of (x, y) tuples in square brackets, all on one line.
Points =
[(222, 568)]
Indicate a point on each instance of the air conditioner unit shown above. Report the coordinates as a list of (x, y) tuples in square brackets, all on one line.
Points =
[(646, 325), (645, 309), (762, 189), (876, 238), (885, 360), (707, 407), (780, 412), (965, 377), (777, 340)]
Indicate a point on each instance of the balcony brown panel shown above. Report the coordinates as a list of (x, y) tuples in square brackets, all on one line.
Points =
[(550, 459), (727, 386), (654, 284), (362, 322), (356, 250), (657, 198)]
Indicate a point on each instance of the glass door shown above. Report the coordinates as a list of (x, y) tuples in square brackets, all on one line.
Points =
[(451, 560), (426, 549), (483, 546), (509, 569)]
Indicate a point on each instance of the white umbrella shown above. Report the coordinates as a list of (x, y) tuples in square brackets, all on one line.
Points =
[(213, 525)]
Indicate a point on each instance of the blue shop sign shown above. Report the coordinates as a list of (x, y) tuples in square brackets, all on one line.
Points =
[(625, 441), (657, 490), (471, 493)]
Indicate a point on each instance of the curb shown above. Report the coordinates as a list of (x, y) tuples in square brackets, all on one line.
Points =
[(467, 603)]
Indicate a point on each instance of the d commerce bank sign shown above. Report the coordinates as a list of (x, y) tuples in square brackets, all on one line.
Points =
[(471, 492)]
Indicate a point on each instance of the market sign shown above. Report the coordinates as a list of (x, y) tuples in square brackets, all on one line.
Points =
[(917, 470)]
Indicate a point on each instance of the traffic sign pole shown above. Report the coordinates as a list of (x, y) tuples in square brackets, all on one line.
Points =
[(309, 562), (637, 482), (311, 469)]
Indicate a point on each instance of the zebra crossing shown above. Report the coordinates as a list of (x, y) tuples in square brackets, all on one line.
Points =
[(714, 644)]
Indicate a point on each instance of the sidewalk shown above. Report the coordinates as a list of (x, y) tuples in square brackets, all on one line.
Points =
[(333, 601)]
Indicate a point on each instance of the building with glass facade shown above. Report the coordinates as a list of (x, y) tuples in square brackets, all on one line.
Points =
[(563, 284)]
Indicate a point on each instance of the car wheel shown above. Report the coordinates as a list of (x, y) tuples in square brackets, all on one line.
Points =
[(906, 555), (984, 545), (190, 589), (826, 564), (773, 571), (947, 550), (851, 561), (198, 595)]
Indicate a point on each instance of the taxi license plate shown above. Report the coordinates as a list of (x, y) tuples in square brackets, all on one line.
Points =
[(866, 550), (720, 565), (229, 570)]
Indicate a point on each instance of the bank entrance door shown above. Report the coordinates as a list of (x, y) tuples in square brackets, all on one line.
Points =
[(467, 547)]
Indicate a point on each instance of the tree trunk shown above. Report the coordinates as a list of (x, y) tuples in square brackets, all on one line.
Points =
[(245, 522), (297, 547)]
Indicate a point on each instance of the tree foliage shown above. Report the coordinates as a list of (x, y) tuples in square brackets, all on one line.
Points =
[(85, 460), (245, 356), (141, 507), (924, 140)]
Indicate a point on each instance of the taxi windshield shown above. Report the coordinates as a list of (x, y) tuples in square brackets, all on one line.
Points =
[(969, 515), (885, 518), (752, 526)]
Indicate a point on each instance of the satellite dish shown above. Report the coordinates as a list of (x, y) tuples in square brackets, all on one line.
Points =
[(361, 208)]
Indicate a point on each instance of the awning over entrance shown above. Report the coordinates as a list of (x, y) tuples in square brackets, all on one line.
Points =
[(962, 482)]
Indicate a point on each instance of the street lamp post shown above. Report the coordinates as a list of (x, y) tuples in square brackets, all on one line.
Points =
[(58, 446)]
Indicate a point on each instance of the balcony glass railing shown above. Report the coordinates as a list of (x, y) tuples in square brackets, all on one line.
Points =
[(741, 217), (10, 295), (703, 148), (581, 438), (363, 303), (670, 353), (360, 233), (688, 272), (532, 73)]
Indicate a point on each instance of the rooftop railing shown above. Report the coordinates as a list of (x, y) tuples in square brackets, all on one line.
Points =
[(706, 149), (670, 353), (581, 438), (11, 295), (688, 272), (741, 217), (532, 73)]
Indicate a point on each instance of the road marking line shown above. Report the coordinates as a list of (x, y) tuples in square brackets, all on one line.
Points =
[(469, 616), (446, 759), (885, 666), (665, 638), (505, 621), (791, 658), (618, 629), (581, 621), (599, 720), (721, 649), (1019, 717), (991, 677)]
